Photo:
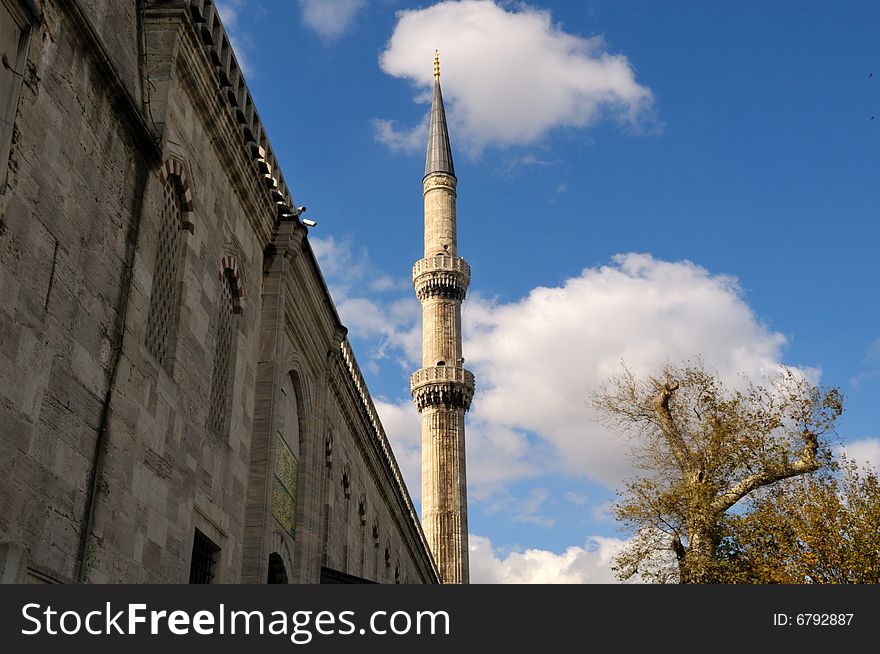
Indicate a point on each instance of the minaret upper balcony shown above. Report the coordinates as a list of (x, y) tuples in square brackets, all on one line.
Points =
[(449, 386), (441, 275)]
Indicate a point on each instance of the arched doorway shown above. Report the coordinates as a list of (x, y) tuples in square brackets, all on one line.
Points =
[(277, 571)]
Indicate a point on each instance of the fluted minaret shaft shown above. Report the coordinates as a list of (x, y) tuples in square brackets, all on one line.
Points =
[(442, 389)]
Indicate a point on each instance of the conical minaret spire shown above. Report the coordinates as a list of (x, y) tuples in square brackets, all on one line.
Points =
[(439, 156), (442, 389)]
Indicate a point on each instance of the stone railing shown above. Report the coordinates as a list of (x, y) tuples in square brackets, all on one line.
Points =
[(441, 374), (446, 385), (235, 90), (441, 275), (442, 262), (357, 379)]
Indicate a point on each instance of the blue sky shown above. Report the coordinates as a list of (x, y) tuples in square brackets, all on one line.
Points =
[(638, 181)]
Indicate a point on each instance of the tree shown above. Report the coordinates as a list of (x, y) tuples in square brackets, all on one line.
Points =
[(703, 447), (822, 529)]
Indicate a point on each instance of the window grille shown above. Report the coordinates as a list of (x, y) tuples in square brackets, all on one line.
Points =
[(165, 295), (222, 358), (204, 559)]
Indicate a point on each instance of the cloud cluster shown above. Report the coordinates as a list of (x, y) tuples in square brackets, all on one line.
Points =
[(390, 325), (401, 140), (576, 565), (403, 426), (510, 75), (537, 360), (330, 18)]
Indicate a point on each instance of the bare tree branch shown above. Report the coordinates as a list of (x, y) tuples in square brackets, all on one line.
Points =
[(667, 424), (769, 475)]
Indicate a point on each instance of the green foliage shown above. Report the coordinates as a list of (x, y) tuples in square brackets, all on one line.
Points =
[(702, 447), (822, 529)]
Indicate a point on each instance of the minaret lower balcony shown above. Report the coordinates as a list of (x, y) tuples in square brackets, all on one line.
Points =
[(441, 276), (448, 386)]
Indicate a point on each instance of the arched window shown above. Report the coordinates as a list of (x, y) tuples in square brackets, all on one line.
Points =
[(165, 293), (289, 427), (223, 350), (286, 459)]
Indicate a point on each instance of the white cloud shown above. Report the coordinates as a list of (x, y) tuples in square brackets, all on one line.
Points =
[(536, 360), (525, 510), (871, 365), (864, 451), (403, 426), (577, 499), (510, 75), (576, 565), (348, 268), (393, 329), (405, 140), (330, 18), (230, 11), (497, 455)]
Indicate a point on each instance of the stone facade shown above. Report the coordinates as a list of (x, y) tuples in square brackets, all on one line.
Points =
[(176, 388)]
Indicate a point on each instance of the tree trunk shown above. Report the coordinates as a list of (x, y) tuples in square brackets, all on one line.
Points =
[(700, 559)]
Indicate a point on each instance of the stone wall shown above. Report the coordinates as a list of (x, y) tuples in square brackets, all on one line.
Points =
[(92, 164)]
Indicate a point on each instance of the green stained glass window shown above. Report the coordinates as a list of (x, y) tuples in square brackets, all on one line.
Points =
[(284, 491)]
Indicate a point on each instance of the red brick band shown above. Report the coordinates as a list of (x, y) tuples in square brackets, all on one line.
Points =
[(229, 271), (174, 171)]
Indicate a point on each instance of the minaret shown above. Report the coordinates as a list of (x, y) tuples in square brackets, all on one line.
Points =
[(442, 389)]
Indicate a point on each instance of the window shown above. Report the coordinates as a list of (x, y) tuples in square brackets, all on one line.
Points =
[(15, 30), (222, 355), (286, 460), (165, 294), (284, 491), (204, 559)]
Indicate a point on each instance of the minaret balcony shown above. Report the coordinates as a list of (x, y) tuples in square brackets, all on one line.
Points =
[(448, 386), (441, 276)]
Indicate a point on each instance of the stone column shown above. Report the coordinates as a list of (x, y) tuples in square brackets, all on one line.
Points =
[(257, 544)]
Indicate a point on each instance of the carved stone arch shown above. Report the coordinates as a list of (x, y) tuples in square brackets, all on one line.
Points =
[(375, 532), (174, 171), (229, 272), (301, 390), (293, 365), (281, 547), (294, 443)]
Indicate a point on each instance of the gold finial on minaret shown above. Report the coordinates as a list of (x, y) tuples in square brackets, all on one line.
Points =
[(436, 64)]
